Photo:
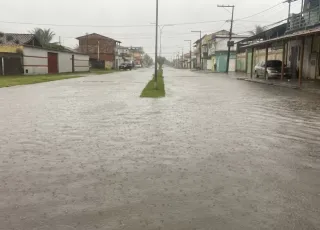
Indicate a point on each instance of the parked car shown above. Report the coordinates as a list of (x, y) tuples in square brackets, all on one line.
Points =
[(273, 69), (125, 66), (138, 65)]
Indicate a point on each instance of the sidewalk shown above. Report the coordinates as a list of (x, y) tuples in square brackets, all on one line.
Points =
[(312, 86)]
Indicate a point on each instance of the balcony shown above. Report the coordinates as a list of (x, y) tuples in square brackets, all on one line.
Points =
[(305, 20)]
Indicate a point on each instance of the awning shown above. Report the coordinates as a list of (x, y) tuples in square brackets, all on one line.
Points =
[(298, 34)]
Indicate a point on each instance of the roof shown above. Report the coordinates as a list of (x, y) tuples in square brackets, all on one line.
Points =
[(16, 39), (84, 36), (285, 37), (218, 34)]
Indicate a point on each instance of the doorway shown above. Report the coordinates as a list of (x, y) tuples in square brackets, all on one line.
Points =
[(52, 63)]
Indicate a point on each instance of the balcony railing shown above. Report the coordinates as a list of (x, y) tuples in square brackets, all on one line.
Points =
[(304, 20)]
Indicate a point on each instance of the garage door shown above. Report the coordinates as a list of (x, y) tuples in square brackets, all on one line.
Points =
[(52, 62)]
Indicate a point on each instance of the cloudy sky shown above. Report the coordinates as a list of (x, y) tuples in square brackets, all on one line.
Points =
[(130, 20)]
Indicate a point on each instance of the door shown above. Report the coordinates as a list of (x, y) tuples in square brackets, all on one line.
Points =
[(52, 63)]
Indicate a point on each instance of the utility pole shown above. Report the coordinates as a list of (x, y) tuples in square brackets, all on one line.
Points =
[(190, 51), (200, 48), (156, 48), (230, 34), (182, 59), (98, 50), (289, 11)]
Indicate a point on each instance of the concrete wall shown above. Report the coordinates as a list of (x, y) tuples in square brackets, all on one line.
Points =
[(241, 62), (64, 62), (35, 61), (310, 56), (81, 62)]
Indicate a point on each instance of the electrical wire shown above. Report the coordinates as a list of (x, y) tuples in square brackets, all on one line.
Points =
[(250, 16), (132, 26)]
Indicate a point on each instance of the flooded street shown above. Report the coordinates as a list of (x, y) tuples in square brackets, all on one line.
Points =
[(216, 153)]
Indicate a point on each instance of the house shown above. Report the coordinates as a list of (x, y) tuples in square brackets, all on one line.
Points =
[(300, 45), (216, 51), (136, 54), (123, 55), (100, 48), (198, 52), (23, 54)]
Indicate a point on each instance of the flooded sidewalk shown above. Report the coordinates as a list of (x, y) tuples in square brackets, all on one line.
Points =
[(307, 85)]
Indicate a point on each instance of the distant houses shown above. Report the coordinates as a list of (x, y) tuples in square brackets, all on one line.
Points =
[(107, 52)]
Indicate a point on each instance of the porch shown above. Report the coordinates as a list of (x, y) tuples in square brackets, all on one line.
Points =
[(308, 85)]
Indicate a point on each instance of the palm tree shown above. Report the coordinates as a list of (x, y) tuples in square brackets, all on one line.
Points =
[(258, 29), (44, 36)]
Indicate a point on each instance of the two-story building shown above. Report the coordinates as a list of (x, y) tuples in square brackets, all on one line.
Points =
[(100, 48), (136, 55), (217, 51)]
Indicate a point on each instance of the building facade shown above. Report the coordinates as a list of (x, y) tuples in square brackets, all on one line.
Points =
[(100, 48), (217, 48)]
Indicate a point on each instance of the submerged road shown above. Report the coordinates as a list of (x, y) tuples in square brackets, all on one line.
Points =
[(216, 153)]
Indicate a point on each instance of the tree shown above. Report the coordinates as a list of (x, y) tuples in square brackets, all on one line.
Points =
[(258, 29), (161, 61), (147, 60), (44, 36)]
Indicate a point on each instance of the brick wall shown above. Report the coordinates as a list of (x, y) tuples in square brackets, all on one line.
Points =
[(89, 45)]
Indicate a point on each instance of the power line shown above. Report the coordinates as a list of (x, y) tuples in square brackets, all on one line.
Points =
[(250, 16), (104, 26)]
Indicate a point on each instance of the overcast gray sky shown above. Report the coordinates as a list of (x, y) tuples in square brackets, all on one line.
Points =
[(129, 20)]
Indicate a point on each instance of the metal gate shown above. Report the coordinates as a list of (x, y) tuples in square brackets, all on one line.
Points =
[(52, 62), (10, 64)]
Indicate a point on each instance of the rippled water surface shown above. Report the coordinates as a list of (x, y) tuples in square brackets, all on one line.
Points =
[(216, 153)]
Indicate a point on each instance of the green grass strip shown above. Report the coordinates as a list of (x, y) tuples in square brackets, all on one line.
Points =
[(7, 81), (150, 91)]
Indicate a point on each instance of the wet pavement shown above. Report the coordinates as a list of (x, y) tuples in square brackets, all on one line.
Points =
[(216, 153)]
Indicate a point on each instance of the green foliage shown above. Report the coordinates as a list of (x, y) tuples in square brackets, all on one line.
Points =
[(9, 38), (147, 60), (1, 34), (258, 29), (150, 91), (44, 36), (161, 61)]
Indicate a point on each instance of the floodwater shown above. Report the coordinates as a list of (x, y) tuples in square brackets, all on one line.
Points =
[(216, 153)]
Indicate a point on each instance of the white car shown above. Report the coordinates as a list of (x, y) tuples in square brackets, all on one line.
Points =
[(138, 66)]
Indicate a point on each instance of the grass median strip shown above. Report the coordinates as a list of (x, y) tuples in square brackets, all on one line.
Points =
[(7, 81), (150, 91)]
